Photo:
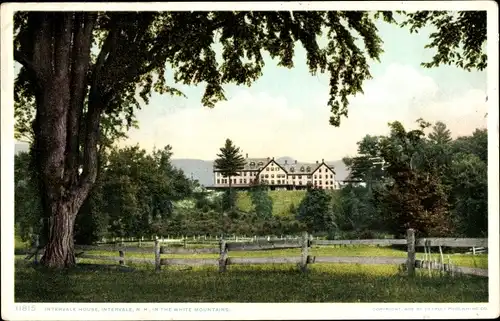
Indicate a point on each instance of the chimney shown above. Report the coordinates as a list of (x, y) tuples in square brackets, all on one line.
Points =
[(322, 160), (295, 161), (316, 162), (246, 155), (286, 162), (268, 158)]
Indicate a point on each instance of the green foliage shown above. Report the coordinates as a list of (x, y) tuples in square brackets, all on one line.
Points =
[(229, 161), (460, 37), (368, 165), (440, 134), (314, 211), (434, 184), (414, 197), (27, 208), (262, 202), (354, 210), (282, 201)]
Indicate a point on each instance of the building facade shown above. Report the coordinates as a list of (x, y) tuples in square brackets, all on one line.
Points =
[(283, 175)]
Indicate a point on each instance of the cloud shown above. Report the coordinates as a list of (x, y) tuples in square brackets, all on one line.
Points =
[(263, 124)]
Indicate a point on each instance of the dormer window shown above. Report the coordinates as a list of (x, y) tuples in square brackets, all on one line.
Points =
[(309, 168), (292, 169), (261, 163), (252, 164), (302, 169)]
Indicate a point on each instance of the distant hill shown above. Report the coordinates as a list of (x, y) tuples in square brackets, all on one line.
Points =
[(197, 168), (202, 169)]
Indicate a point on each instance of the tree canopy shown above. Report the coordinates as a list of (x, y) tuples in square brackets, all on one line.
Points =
[(85, 73)]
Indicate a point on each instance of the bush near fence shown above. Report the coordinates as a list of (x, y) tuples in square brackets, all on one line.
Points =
[(410, 263)]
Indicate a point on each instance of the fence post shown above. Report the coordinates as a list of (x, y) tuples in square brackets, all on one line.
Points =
[(157, 256), (305, 247), (223, 255), (122, 255), (410, 262)]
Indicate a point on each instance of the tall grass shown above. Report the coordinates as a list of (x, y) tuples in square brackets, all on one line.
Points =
[(251, 283)]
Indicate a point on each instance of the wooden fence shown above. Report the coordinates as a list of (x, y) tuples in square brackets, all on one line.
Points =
[(304, 243)]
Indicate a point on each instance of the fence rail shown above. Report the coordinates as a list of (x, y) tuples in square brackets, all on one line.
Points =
[(304, 243)]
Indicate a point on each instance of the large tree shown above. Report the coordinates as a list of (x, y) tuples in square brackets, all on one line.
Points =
[(413, 195), (73, 89), (229, 163)]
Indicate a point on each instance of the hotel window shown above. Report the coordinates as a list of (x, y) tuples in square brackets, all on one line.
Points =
[(331, 183), (300, 183), (267, 169), (326, 182), (308, 168), (272, 175), (218, 181), (244, 181), (241, 181), (315, 177), (266, 176), (272, 181), (320, 170), (292, 169), (302, 169)]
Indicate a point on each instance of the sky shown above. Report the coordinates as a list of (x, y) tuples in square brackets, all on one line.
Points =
[(285, 112)]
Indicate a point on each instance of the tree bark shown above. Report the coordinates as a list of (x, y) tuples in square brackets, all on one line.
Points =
[(59, 252), (60, 65)]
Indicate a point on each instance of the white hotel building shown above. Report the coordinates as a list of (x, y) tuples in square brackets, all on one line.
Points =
[(276, 175)]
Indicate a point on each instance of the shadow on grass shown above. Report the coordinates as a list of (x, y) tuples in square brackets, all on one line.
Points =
[(91, 284)]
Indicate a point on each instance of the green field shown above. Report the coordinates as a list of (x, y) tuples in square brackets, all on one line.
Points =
[(281, 201), (252, 283)]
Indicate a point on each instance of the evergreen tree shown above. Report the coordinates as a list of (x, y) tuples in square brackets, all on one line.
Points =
[(229, 163), (440, 134)]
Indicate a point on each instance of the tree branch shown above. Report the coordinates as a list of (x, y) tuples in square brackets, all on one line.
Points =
[(84, 24)]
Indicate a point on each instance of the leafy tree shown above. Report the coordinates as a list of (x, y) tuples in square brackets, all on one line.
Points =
[(354, 209), (74, 90), (314, 211), (262, 202), (139, 189), (27, 209), (469, 195), (368, 166), (459, 40), (412, 197), (229, 163), (476, 144)]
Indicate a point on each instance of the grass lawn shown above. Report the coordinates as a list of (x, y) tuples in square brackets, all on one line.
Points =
[(281, 201), (259, 283)]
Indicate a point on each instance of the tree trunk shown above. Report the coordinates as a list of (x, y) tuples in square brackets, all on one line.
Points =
[(58, 66), (230, 195), (59, 251)]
